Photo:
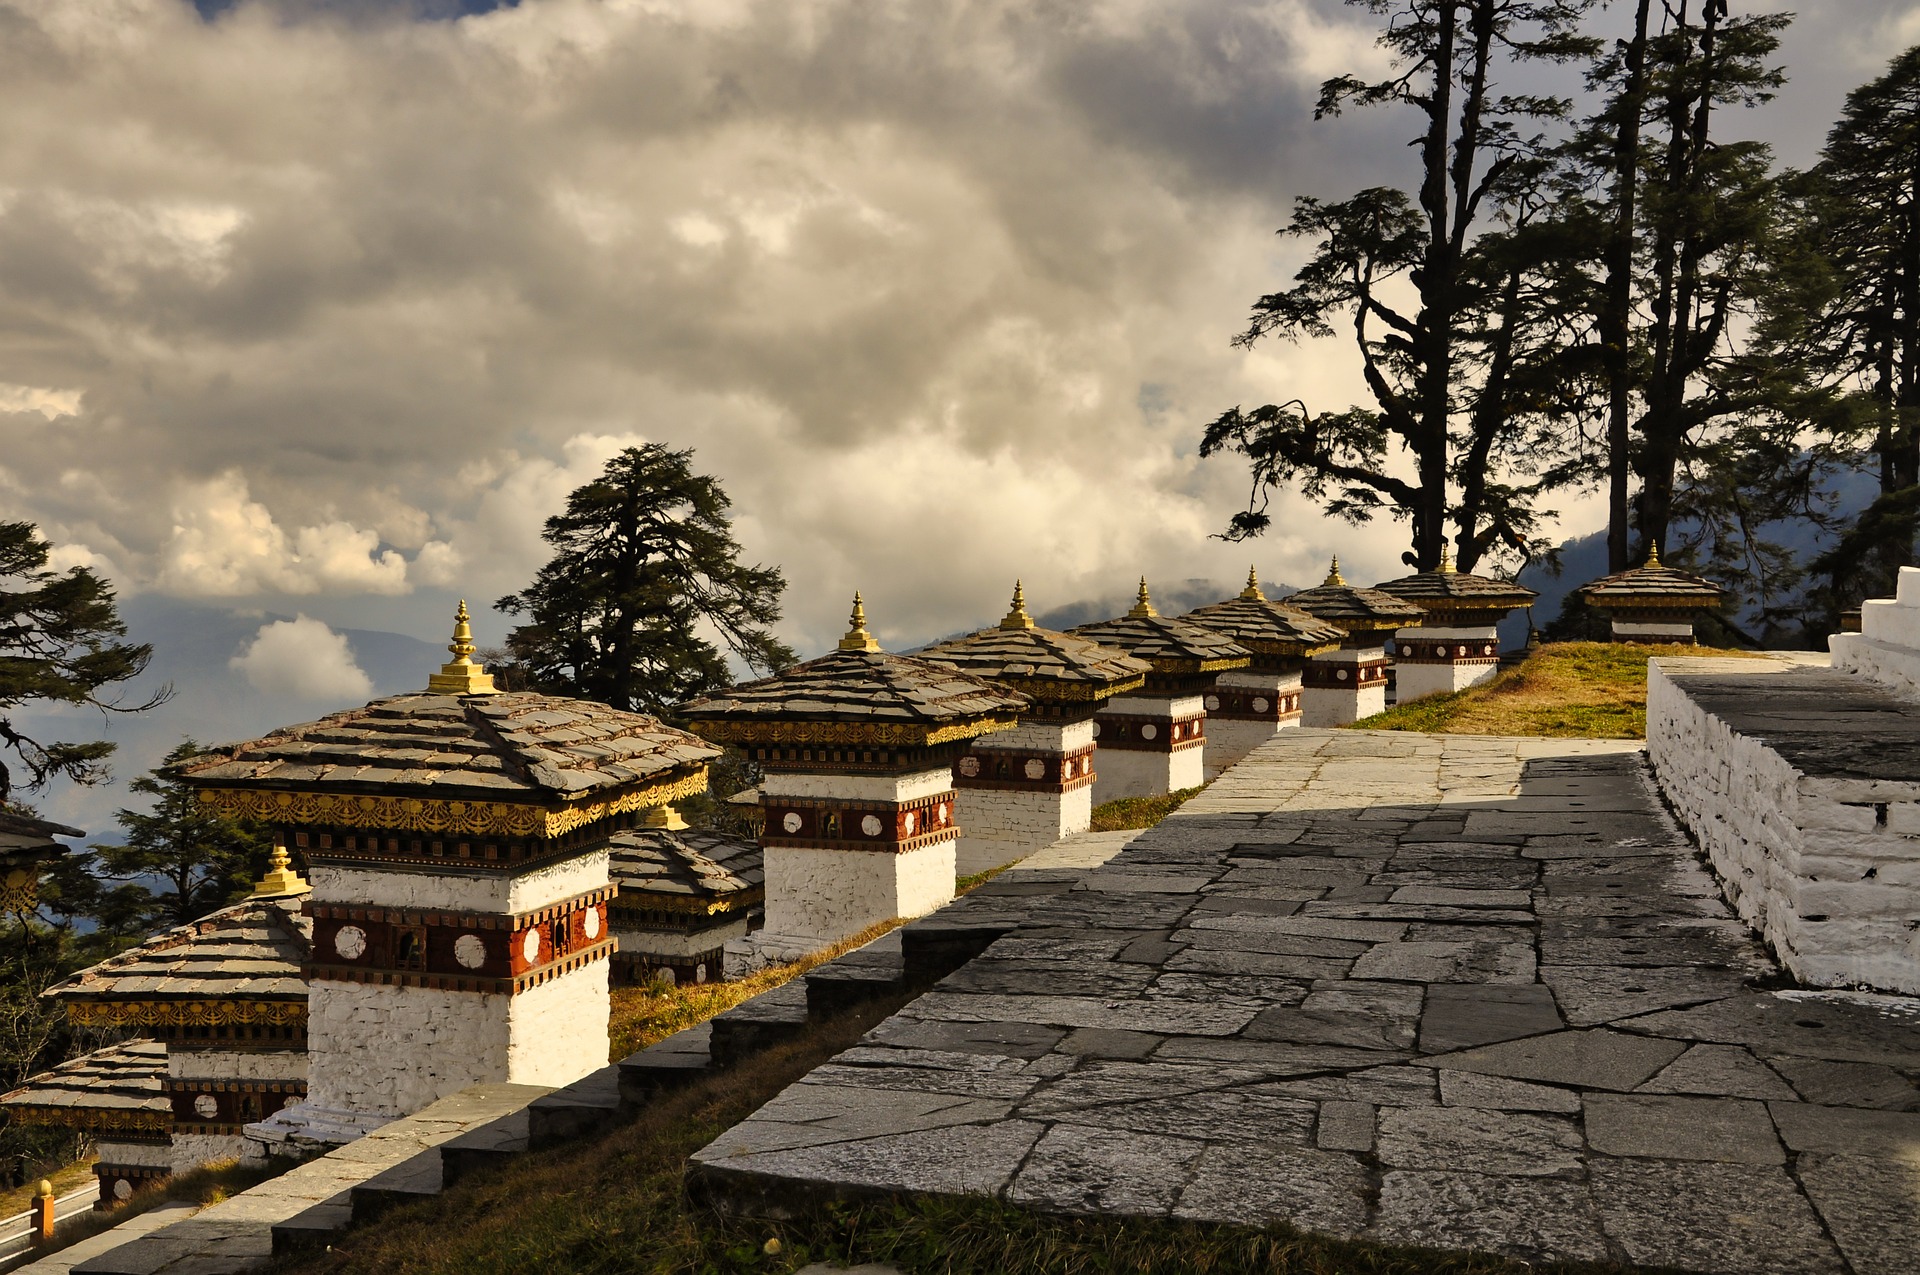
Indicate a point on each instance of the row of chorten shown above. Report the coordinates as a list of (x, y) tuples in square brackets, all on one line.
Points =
[(495, 852)]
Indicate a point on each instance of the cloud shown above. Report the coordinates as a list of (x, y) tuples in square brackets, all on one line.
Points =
[(302, 658), (225, 544)]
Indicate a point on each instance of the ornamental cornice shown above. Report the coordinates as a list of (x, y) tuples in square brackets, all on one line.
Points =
[(850, 733), (115, 1120), (420, 814), (186, 1013)]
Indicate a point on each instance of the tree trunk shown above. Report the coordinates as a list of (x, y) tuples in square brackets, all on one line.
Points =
[(1617, 316)]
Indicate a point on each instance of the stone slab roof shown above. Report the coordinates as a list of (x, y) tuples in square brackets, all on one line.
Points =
[(24, 838), (651, 864), (1259, 624), (1351, 604), (1169, 644), (1450, 590), (113, 1088), (1038, 660), (513, 747), (1656, 585), (252, 950), (870, 688)]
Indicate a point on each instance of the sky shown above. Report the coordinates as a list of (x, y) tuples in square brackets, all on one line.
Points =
[(312, 311)]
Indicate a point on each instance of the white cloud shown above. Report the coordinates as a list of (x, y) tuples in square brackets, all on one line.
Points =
[(303, 658), (226, 544), (52, 404)]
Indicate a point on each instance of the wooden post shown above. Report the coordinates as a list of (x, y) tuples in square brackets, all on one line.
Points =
[(42, 1211)]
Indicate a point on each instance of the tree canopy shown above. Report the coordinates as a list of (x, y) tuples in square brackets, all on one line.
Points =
[(645, 568)]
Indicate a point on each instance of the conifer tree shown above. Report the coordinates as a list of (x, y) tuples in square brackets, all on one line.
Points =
[(644, 561)]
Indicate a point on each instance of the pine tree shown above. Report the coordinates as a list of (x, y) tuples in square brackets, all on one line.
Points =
[(644, 558)]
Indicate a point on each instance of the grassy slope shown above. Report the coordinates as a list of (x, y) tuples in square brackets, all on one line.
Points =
[(1589, 690), (1140, 812)]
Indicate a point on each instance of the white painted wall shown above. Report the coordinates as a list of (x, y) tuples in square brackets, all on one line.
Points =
[(134, 1155), (1789, 848), (191, 1150), (1411, 681), (1323, 706), (911, 787), (557, 1032), (1126, 772), (823, 896), (462, 890), (664, 943), (1166, 706), (236, 1064), (998, 826)]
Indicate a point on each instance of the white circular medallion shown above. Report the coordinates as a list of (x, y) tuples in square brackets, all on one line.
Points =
[(911, 822), (122, 1189), (1341, 674), (1096, 730), (969, 767), (1259, 704), (1036, 769), (870, 825), (530, 946), (350, 942), (1461, 651), (792, 822), (940, 814), (1213, 703), (470, 950), (1149, 731), (206, 1106), (590, 923)]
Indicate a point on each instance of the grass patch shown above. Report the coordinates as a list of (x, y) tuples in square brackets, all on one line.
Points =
[(619, 1204), (66, 1178), (208, 1184), (1587, 690), (1140, 812)]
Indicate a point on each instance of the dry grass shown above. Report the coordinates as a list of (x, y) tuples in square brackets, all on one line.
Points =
[(647, 1015), (1140, 812), (16, 1199), (1587, 690), (208, 1184)]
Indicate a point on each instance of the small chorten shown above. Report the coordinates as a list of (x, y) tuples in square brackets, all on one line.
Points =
[(1653, 603), (461, 676), (1342, 686), (1457, 645), (281, 881), (1028, 787), (1247, 707), (858, 748), (1153, 741)]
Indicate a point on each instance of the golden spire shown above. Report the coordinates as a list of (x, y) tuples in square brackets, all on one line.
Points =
[(1142, 605), (1446, 559), (1333, 574), (1653, 554), (461, 676), (857, 638), (281, 878), (1018, 617), (665, 817), (1252, 592)]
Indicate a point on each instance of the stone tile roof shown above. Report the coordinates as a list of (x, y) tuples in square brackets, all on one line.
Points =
[(1352, 607), (1169, 645), (252, 950), (1653, 585), (1040, 662), (116, 1088), (25, 839), (859, 687), (1449, 590), (656, 865), (1264, 626), (513, 747)]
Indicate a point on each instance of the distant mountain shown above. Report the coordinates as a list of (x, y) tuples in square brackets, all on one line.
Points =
[(1174, 599)]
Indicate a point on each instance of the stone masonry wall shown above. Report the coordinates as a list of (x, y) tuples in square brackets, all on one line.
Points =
[(557, 1032), (825, 895), (1826, 870), (359, 1036), (1000, 825)]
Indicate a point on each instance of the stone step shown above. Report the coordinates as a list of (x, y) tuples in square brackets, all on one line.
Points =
[(489, 1145), (878, 969), (420, 1178), (584, 1109), (754, 1025), (681, 1057)]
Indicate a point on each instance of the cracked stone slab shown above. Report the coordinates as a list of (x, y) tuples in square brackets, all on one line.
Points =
[(1840, 1026), (1535, 1218), (1733, 1218), (1076, 1169), (1345, 1126), (1594, 1059), (805, 1115), (1887, 1135), (1594, 994), (1462, 1015), (1479, 1139), (1216, 1115), (1872, 1208), (1086, 1011), (965, 1160), (1256, 1184), (1726, 1070), (1465, 1089), (1667, 1127), (1837, 1084), (1448, 962)]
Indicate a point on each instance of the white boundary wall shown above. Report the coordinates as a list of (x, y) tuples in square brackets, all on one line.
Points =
[(1827, 870)]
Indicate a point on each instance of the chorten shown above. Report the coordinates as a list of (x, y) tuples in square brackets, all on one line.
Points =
[(1154, 740), (1653, 603), (26, 844), (1249, 706), (684, 893), (115, 1095), (457, 840), (1457, 645), (858, 749), (1338, 687), (1028, 787)]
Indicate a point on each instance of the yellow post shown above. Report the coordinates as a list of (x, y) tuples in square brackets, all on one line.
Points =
[(43, 1212)]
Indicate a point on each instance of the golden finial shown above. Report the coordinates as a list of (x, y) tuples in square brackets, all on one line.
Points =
[(1018, 617), (665, 817), (1653, 553), (1446, 559), (1252, 592), (461, 676), (1333, 574), (1142, 605), (857, 638), (281, 879)]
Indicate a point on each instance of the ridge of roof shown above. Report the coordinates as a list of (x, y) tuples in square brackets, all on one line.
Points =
[(854, 685), (250, 950)]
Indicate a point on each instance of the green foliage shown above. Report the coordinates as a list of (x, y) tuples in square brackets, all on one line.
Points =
[(179, 861), (59, 644), (644, 559), (1140, 812)]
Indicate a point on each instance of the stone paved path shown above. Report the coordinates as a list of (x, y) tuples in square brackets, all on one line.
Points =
[(1469, 993)]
